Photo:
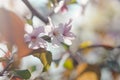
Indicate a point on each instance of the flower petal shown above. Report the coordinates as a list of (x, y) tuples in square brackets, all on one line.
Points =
[(28, 28), (27, 38), (59, 38), (42, 43), (60, 28), (34, 45), (37, 31), (67, 29), (67, 41), (69, 22), (70, 35), (55, 41)]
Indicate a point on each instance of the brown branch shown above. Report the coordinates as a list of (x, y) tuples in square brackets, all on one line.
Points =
[(6, 68), (77, 57), (35, 12)]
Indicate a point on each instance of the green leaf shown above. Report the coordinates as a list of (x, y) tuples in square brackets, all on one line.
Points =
[(45, 57), (24, 74), (47, 38), (32, 69), (29, 21), (66, 47), (72, 2)]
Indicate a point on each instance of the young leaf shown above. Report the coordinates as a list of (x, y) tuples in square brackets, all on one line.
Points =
[(24, 74), (47, 38), (66, 47), (72, 2), (29, 21), (32, 68), (45, 57)]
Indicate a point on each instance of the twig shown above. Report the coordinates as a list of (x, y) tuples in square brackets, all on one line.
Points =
[(98, 46), (35, 12), (5, 69), (107, 47), (11, 77), (3, 51), (8, 65)]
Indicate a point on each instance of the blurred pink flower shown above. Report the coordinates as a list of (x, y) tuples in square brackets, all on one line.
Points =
[(64, 8), (67, 35), (34, 38), (56, 36), (61, 34)]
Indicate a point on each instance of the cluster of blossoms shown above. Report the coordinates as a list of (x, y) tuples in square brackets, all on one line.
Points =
[(58, 35)]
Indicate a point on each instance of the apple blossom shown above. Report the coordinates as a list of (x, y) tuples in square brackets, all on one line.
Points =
[(61, 34), (34, 38)]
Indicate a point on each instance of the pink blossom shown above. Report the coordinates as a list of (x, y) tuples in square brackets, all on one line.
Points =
[(56, 36), (34, 38), (62, 34), (64, 8), (67, 35)]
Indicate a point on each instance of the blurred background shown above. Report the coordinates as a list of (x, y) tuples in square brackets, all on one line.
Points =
[(95, 23)]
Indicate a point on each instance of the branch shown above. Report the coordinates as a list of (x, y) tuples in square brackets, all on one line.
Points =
[(98, 46), (77, 55), (6, 68), (35, 12)]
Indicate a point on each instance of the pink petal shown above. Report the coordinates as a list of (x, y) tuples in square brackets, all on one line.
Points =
[(50, 34), (67, 29), (70, 35), (55, 41), (69, 22), (28, 28), (37, 31), (60, 28), (41, 28), (64, 8), (34, 45), (59, 38), (27, 38), (42, 43)]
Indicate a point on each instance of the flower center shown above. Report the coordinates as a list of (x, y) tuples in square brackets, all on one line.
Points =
[(33, 38), (55, 33)]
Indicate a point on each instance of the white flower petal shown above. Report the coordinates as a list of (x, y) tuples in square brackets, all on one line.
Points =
[(67, 29), (37, 31), (67, 41), (60, 28), (28, 28), (34, 45), (27, 38), (70, 35), (60, 38), (42, 43), (55, 41)]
